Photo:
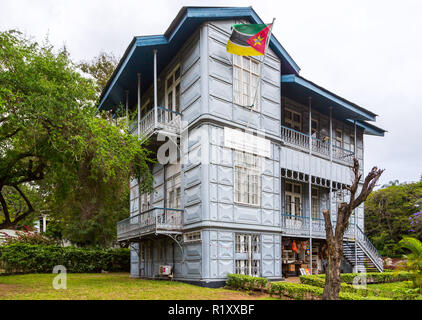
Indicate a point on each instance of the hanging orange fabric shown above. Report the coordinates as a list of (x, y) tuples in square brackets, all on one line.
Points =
[(294, 247)]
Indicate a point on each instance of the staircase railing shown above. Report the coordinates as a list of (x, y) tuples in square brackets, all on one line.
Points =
[(366, 245)]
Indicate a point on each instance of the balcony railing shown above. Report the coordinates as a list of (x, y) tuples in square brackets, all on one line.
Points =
[(301, 140), (167, 121), (155, 220), (299, 225)]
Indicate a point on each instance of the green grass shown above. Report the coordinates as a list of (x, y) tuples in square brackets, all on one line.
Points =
[(397, 290), (113, 286)]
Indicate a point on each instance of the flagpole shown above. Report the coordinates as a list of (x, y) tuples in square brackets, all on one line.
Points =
[(260, 72)]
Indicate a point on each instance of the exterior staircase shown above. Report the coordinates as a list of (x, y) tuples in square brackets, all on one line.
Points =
[(362, 253)]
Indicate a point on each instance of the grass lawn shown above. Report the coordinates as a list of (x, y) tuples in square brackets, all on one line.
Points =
[(398, 290), (111, 286)]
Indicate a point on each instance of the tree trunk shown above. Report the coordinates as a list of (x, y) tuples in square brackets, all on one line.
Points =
[(335, 241), (332, 282)]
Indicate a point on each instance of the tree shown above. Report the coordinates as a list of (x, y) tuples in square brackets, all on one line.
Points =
[(388, 216), (101, 68), (414, 259), (335, 238), (52, 139)]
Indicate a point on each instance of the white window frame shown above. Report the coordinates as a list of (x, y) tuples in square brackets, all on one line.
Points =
[(339, 142), (239, 95), (291, 123), (293, 195), (175, 105), (246, 170), (249, 244), (194, 236)]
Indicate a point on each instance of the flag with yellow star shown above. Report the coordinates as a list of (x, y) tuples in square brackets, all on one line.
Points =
[(248, 39)]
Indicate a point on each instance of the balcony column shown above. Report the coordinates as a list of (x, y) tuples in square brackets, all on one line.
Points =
[(310, 183), (354, 211), (127, 109), (139, 106), (155, 90)]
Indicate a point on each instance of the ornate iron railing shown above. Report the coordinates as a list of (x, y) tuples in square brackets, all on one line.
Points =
[(167, 120), (321, 147), (150, 221), (299, 225), (343, 155)]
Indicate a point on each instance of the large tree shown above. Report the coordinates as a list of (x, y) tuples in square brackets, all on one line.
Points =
[(388, 214), (335, 237), (100, 68), (51, 138)]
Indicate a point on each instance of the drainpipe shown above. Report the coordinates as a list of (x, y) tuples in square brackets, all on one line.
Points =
[(139, 106), (309, 182), (155, 90)]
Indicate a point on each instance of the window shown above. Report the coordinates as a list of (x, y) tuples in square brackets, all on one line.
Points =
[(173, 91), (248, 267), (247, 179), (245, 243), (250, 244), (145, 202), (293, 199), (193, 236), (339, 138), (293, 119), (315, 203), (245, 81)]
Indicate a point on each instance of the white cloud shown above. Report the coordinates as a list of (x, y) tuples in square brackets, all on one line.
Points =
[(367, 52)]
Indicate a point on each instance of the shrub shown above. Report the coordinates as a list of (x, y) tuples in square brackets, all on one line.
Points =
[(240, 281), (295, 290), (371, 277), (28, 258), (27, 237)]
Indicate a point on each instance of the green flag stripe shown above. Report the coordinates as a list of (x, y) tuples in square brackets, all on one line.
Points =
[(250, 29)]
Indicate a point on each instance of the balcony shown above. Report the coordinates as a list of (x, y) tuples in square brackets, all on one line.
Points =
[(166, 121), (152, 221), (320, 147), (299, 226)]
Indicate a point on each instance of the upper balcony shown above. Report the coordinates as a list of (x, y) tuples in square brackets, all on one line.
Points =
[(153, 221), (160, 120), (320, 147)]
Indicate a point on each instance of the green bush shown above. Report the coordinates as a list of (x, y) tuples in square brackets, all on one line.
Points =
[(295, 290), (29, 258), (371, 277), (240, 281)]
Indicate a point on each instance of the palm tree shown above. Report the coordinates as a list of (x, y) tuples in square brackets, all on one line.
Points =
[(414, 259)]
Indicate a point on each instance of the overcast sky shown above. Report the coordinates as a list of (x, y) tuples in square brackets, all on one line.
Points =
[(369, 52)]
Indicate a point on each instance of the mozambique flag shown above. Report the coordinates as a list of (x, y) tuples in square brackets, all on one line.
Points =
[(248, 39)]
